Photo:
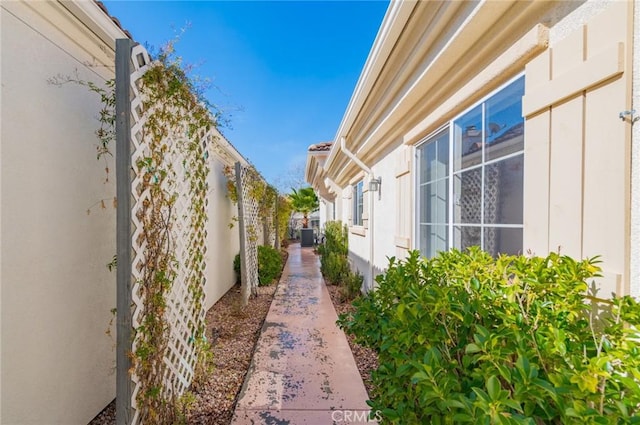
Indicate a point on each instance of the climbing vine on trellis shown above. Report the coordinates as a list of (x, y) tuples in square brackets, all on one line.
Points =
[(171, 136), (259, 192), (257, 204)]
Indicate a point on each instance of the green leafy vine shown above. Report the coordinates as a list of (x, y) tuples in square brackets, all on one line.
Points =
[(174, 114)]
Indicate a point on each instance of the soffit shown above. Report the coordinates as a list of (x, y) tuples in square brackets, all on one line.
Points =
[(443, 46)]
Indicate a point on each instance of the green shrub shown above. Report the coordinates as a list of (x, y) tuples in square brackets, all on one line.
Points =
[(334, 267), (269, 265), (236, 267), (351, 286), (465, 338), (336, 237), (333, 252)]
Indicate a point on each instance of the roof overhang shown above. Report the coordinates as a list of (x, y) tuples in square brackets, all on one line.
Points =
[(315, 174), (424, 54), (97, 19)]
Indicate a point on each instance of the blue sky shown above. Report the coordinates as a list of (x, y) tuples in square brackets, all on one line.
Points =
[(283, 71)]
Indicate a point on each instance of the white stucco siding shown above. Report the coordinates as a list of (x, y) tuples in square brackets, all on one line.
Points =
[(223, 242), (380, 210), (322, 213), (385, 211), (359, 254), (57, 363)]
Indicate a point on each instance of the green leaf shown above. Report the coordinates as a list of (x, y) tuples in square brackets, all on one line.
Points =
[(504, 372), (462, 418), (513, 404), (472, 348), (493, 388), (452, 403), (419, 376)]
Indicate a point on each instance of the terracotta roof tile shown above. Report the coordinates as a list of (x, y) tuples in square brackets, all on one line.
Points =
[(321, 147), (113, 18)]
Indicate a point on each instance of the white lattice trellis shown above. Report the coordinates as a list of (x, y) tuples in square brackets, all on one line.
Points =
[(185, 160), (471, 204), (249, 212)]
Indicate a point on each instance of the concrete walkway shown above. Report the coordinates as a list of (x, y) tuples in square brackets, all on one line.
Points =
[(303, 371)]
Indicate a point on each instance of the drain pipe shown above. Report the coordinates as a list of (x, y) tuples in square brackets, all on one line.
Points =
[(367, 170)]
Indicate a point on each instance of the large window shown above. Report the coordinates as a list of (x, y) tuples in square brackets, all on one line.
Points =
[(470, 178), (358, 204)]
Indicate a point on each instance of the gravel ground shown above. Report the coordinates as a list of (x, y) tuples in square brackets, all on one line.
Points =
[(234, 333)]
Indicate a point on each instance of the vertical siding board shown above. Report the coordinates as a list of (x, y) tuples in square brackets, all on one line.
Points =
[(607, 152), (536, 184), (605, 179), (565, 189)]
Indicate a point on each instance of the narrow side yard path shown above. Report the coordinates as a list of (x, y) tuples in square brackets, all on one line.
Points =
[(303, 371)]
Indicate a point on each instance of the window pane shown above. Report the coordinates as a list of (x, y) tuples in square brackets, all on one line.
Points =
[(503, 191), (357, 204), (433, 239), (467, 139), (467, 193), (434, 202), (427, 157), (434, 158), (504, 121), (502, 240), (466, 236)]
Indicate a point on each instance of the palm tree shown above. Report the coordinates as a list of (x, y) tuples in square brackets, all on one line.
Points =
[(304, 201)]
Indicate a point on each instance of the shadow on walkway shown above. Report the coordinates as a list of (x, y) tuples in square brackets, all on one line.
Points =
[(303, 371)]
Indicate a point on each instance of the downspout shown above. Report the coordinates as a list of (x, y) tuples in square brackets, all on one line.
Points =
[(367, 170)]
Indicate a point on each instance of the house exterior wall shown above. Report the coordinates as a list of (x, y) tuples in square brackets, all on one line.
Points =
[(578, 150), (323, 212), (576, 58), (57, 364)]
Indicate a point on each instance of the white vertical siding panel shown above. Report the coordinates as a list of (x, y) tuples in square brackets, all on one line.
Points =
[(565, 190), (536, 184)]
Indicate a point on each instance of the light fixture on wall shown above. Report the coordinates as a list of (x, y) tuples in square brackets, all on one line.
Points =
[(375, 185)]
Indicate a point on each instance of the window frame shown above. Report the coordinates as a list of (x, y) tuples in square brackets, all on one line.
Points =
[(454, 172), (357, 206)]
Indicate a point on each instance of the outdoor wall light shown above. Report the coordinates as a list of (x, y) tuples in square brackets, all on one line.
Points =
[(374, 184)]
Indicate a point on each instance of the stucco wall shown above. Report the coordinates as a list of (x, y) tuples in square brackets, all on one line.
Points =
[(57, 362), (384, 213), (380, 211), (223, 243), (57, 228)]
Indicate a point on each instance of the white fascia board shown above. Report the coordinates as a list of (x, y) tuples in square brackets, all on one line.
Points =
[(90, 14), (393, 24), (470, 26), (310, 168), (227, 151)]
